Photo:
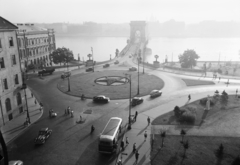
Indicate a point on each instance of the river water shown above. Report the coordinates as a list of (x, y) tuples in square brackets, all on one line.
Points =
[(209, 49)]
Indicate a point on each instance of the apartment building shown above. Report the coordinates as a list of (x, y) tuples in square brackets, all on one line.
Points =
[(11, 95), (35, 45)]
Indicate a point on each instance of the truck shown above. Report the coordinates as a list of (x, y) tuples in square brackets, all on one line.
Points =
[(45, 71)]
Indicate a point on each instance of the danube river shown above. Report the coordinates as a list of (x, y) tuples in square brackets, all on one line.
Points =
[(209, 49)]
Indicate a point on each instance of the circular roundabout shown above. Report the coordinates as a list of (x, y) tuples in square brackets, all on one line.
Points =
[(112, 83)]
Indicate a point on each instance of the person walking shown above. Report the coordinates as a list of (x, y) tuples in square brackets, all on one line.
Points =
[(189, 97), (127, 141), (134, 147), (145, 136), (135, 117), (136, 155), (68, 110), (122, 145), (148, 120)]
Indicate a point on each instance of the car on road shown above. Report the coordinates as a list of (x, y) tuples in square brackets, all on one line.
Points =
[(106, 65), (133, 69), (136, 101), (43, 135), (116, 62), (101, 99), (45, 71), (89, 70), (15, 162), (65, 74), (155, 93)]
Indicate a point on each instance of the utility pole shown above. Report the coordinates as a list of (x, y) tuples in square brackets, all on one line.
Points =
[(130, 100), (92, 58)]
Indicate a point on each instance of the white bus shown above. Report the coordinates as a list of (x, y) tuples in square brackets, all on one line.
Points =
[(109, 137)]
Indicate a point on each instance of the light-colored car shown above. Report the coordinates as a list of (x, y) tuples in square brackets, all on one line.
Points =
[(65, 74), (155, 93), (133, 69), (116, 62), (15, 162)]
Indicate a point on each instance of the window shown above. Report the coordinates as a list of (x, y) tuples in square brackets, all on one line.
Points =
[(2, 65), (32, 42), (10, 41), (0, 44), (20, 54), (16, 79), (5, 85), (19, 42), (14, 62)]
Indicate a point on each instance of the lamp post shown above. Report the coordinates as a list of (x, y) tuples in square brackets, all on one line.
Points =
[(24, 86), (138, 58), (143, 58), (130, 96), (68, 77), (92, 58)]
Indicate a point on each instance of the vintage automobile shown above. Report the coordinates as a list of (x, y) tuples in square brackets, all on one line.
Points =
[(45, 71), (43, 135), (133, 69), (65, 74), (106, 65), (101, 99), (89, 70), (155, 93), (15, 162), (116, 62), (136, 101)]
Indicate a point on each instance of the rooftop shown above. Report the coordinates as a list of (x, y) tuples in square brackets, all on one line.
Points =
[(29, 27), (6, 25)]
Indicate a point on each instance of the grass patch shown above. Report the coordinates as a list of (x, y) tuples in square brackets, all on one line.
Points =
[(216, 112), (201, 150), (190, 82)]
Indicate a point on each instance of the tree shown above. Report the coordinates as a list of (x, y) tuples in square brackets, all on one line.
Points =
[(89, 56), (163, 135), (183, 133), (185, 146), (188, 59), (156, 56), (224, 99), (61, 55)]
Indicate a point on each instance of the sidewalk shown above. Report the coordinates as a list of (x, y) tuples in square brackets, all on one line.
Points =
[(15, 127)]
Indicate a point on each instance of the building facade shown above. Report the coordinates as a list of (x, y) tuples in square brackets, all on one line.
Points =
[(12, 100), (35, 46)]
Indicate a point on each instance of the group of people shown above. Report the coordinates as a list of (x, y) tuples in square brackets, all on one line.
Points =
[(69, 111)]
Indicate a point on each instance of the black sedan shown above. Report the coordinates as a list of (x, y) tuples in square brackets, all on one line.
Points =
[(43, 135), (89, 70), (101, 99), (136, 101)]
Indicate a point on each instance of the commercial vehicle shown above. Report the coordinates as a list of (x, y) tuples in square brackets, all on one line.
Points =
[(136, 101), (108, 140), (155, 93), (45, 71), (101, 99), (43, 135)]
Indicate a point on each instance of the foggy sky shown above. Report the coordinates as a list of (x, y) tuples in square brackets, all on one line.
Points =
[(118, 11)]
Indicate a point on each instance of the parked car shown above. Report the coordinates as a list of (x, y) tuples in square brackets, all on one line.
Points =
[(133, 69), (15, 162), (46, 71), (89, 70), (43, 135), (155, 93), (106, 65), (116, 62), (137, 100), (65, 74), (101, 99)]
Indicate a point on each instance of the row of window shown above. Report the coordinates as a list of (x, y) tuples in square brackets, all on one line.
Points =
[(5, 82), (13, 60), (33, 52)]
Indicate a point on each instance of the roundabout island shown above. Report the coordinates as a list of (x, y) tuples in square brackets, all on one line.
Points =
[(112, 83)]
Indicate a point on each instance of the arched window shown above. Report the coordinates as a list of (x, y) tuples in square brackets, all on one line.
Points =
[(19, 99), (8, 105)]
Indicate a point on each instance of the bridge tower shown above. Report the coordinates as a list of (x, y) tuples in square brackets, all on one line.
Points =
[(138, 31)]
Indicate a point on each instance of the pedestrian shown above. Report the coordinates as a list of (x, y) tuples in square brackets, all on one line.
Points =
[(219, 78), (148, 120), (35, 101), (136, 155), (68, 110), (32, 94), (189, 97), (136, 114), (127, 141), (41, 108), (145, 135), (122, 145), (134, 147)]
